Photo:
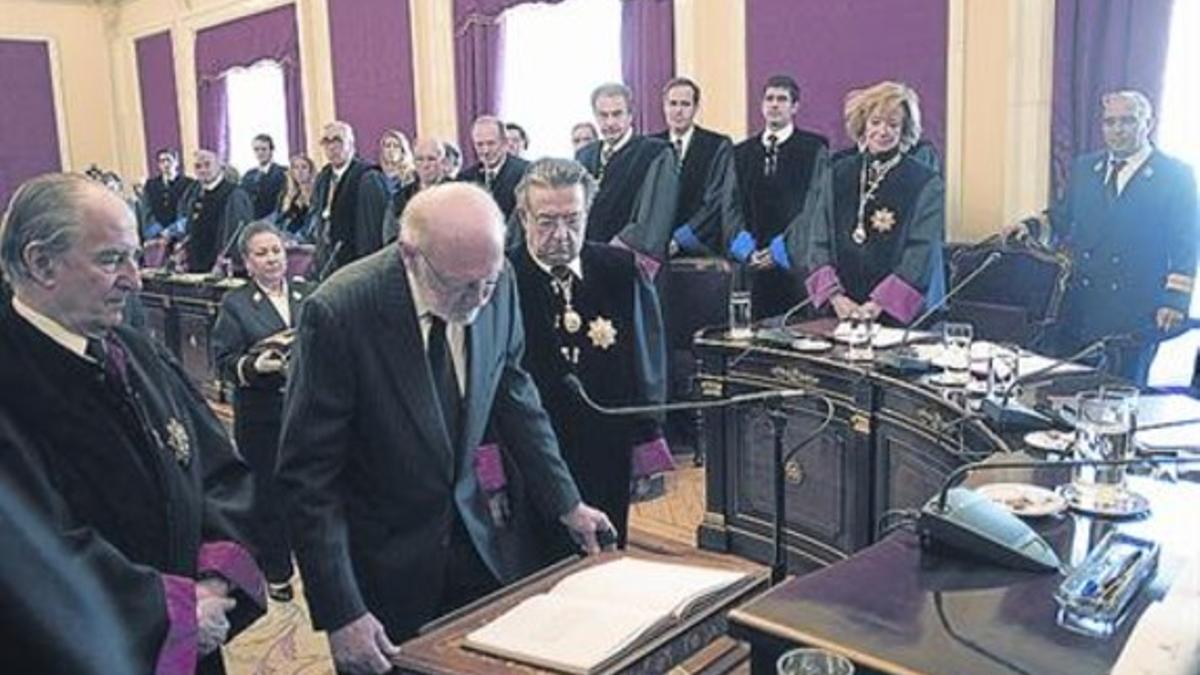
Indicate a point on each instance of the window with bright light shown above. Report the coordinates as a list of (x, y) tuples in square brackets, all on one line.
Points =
[(554, 55), (255, 104), (1179, 136)]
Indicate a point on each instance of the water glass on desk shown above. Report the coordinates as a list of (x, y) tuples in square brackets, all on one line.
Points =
[(740, 321), (860, 344), (1102, 431), (1003, 369), (810, 661), (956, 353)]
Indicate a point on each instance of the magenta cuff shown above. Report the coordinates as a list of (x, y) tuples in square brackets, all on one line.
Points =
[(489, 468), (823, 284), (233, 563), (180, 649), (651, 457), (898, 298)]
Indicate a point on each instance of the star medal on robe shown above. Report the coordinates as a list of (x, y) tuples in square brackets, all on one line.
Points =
[(602, 333), (177, 440), (883, 220)]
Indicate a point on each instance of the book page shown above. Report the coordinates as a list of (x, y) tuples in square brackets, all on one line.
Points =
[(664, 588), (564, 633)]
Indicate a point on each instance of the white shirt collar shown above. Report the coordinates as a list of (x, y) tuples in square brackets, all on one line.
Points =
[(72, 342), (1135, 161), (494, 171), (337, 173), (575, 266), (621, 141), (684, 139), (213, 185), (781, 136), (456, 333)]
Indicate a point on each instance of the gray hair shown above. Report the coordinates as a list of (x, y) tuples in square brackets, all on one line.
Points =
[(251, 231), (613, 89), (1140, 101), (552, 173), (484, 120), (45, 210)]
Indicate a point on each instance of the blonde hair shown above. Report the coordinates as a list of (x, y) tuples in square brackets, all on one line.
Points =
[(884, 96), (405, 168)]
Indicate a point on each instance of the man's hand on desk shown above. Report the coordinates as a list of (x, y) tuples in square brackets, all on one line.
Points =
[(585, 523), (362, 647), (843, 307), (1167, 318), (761, 260)]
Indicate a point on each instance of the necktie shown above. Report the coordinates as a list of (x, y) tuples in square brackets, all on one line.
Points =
[(489, 179), (678, 143), (1111, 187), (606, 153), (770, 161), (109, 353), (334, 179), (444, 380)]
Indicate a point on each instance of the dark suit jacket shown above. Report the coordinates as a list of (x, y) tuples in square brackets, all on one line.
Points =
[(264, 188), (706, 192), (505, 184), (375, 482)]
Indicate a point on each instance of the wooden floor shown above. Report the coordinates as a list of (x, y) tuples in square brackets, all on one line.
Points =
[(283, 643)]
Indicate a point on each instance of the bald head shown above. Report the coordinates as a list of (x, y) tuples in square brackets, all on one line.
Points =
[(452, 237)]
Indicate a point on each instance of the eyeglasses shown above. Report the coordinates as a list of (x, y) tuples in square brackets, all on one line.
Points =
[(332, 139), (484, 286)]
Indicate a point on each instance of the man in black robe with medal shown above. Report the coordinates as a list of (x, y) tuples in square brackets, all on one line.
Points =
[(638, 180), (161, 195), (350, 199), (133, 470), (216, 209), (778, 171), (591, 312)]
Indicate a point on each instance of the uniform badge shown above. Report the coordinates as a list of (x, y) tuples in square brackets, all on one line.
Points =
[(883, 220), (177, 440), (571, 321), (602, 333)]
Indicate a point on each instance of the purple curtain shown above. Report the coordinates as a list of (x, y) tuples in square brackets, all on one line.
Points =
[(477, 49), (371, 42), (160, 105), (833, 47), (243, 42), (647, 56), (28, 127), (1101, 46)]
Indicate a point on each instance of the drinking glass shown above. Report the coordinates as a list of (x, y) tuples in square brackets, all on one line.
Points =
[(1003, 370), (860, 339), (809, 661), (740, 322), (956, 353), (1101, 433)]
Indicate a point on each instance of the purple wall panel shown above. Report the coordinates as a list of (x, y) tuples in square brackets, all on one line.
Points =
[(28, 127), (371, 43), (833, 47), (160, 103)]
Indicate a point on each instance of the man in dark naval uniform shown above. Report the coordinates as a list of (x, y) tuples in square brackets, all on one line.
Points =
[(161, 195), (216, 210), (497, 171), (778, 171), (349, 199), (706, 177), (132, 468), (589, 311), (266, 181), (639, 181), (1128, 221)]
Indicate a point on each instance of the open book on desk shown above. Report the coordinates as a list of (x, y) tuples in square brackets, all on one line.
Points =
[(591, 618)]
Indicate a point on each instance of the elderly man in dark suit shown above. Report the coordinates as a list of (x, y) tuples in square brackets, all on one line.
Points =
[(403, 358), (349, 200), (497, 171)]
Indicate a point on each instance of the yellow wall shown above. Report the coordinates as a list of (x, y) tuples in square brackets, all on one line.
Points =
[(998, 83)]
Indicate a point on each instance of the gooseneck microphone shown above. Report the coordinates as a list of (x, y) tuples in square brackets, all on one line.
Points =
[(333, 254), (902, 357)]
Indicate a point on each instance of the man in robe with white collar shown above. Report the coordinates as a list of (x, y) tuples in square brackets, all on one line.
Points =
[(639, 181), (216, 209), (778, 172), (589, 311), (265, 181), (1128, 222), (349, 200), (497, 171), (132, 469)]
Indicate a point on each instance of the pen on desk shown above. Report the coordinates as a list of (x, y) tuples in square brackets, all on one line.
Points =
[(1103, 582), (1109, 588)]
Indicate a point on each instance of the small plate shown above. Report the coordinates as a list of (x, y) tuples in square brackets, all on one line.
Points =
[(1023, 499), (842, 332), (1124, 503), (1050, 440), (944, 379), (811, 344)]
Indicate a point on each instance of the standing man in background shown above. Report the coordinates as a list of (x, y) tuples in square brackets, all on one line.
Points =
[(497, 171), (216, 209), (264, 182), (350, 198), (161, 196)]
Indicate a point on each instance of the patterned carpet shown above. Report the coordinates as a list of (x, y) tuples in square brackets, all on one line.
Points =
[(283, 642)]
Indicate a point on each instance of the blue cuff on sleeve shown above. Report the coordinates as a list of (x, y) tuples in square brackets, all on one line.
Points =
[(151, 230), (685, 236), (742, 246), (779, 253)]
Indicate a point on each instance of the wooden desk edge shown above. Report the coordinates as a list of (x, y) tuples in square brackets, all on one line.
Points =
[(790, 633)]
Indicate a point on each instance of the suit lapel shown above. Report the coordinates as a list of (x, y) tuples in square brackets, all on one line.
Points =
[(407, 365)]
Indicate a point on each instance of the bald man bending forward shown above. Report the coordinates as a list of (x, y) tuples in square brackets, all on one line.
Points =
[(392, 525)]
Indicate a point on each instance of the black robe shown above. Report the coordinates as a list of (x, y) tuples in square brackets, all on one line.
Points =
[(264, 188), (351, 225), (770, 203), (706, 192), (637, 196), (630, 371), (503, 186), (144, 485), (214, 219), (161, 201)]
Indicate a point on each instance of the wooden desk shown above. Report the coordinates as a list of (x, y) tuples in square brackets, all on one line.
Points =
[(894, 608), (695, 645)]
